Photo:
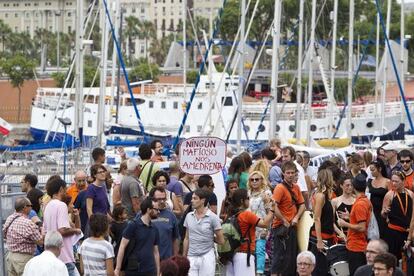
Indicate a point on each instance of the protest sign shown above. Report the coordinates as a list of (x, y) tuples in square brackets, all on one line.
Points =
[(202, 155)]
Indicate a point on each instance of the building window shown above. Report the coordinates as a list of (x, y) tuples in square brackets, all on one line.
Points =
[(151, 104), (133, 10), (69, 14), (175, 105), (16, 15), (142, 10), (6, 15), (228, 101), (69, 29), (142, 48), (163, 105)]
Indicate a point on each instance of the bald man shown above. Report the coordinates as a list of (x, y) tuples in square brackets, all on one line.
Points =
[(78, 185)]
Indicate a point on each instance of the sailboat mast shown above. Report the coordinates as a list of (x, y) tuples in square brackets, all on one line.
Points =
[(377, 41), (184, 13), (311, 56), (350, 64), (275, 68), (102, 82), (384, 83), (333, 62), (241, 74), (117, 11), (402, 39), (300, 61), (78, 118)]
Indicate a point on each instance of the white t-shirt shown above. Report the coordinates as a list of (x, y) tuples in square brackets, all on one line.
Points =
[(46, 264), (301, 180)]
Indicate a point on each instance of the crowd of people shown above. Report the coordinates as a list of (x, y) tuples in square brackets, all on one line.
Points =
[(145, 220)]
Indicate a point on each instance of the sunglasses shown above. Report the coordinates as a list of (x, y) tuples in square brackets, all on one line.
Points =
[(405, 161), (255, 179)]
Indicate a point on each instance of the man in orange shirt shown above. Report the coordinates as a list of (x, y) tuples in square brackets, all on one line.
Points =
[(405, 157), (358, 224), (78, 185), (289, 207)]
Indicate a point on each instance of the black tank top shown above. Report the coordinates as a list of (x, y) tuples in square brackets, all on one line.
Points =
[(343, 208), (327, 218), (377, 196), (400, 212)]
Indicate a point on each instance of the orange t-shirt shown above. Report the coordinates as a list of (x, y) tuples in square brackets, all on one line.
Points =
[(408, 182), (248, 219), (360, 212), (284, 201), (73, 192)]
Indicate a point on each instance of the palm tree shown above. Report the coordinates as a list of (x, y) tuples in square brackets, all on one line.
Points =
[(131, 32), (146, 31), (5, 31)]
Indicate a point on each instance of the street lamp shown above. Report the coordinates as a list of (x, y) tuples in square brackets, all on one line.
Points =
[(65, 122)]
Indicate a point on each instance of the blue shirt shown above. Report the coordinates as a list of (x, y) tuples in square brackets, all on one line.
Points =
[(146, 237), (99, 197), (167, 226), (80, 204)]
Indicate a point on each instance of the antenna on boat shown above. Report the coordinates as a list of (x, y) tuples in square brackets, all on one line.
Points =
[(350, 65)]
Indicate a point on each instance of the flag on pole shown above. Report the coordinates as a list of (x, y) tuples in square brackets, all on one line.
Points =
[(5, 127)]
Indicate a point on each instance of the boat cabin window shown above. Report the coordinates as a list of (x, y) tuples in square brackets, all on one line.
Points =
[(208, 85), (228, 101), (175, 105), (187, 128), (199, 128), (151, 104), (163, 105), (200, 105)]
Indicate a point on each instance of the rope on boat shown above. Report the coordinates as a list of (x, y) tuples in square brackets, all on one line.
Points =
[(201, 69), (121, 61), (397, 76)]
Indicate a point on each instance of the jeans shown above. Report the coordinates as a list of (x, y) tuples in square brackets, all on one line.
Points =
[(72, 271)]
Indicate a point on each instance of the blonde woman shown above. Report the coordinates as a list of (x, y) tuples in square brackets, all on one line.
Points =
[(260, 201), (262, 166), (322, 231)]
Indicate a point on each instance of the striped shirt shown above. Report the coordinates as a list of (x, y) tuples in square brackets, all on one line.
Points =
[(94, 254)]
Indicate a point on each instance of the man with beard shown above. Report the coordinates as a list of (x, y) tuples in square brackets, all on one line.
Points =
[(166, 223), (146, 239), (406, 160)]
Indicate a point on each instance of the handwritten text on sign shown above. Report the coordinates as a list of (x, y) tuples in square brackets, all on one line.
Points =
[(202, 155)]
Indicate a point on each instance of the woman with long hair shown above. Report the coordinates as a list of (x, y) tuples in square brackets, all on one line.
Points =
[(397, 208), (247, 221), (343, 204), (225, 210), (378, 187), (322, 230), (161, 179), (356, 165), (260, 202), (262, 166), (238, 170)]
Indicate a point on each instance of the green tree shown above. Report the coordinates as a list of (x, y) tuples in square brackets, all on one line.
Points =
[(131, 33), (192, 76), (59, 78), (18, 68), (159, 48), (144, 71), (146, 31), (5, 31)]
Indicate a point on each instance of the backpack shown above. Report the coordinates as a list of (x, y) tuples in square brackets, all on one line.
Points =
[(233, 239)]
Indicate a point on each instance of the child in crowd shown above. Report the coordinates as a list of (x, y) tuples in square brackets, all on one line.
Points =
[(120, 215), (96, 253), (261, 252)]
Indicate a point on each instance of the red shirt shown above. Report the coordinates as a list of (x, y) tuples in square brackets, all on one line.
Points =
[(248, 219), (360, 212), (284, 201)]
